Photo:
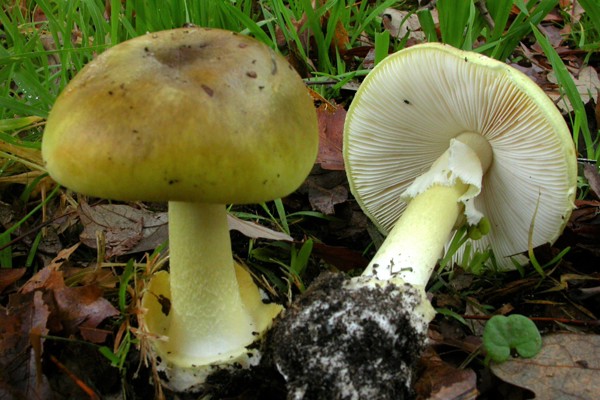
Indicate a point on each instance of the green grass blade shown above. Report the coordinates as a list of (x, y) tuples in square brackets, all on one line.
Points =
[(15, 124), (6, 252), (521, 26), (454, 16), (592, 9), (382, 45), (566, 84), (500, 12), (428, 25)]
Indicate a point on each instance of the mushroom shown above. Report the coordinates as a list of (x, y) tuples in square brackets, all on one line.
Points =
[(435, 137), (199, 118), (461, 130)]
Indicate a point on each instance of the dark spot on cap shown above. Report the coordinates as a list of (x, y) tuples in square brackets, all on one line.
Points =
[(208, 90), (173, 181), (146, 49), (406, 101), (251, 74), (110, 93), (179, 56), (253, 61), (466, 59), (261, 87), (122, 86)]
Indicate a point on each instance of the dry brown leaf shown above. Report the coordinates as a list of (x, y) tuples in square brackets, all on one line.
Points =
[(325, 189), (10, 276), (73, 309), (442, 381), (583, 227), (126, 229), (567, 367), (7, 215), (590, 172), (38, 280), (255, 231), (324, 200), (402, 23), (342, 258), (553, 35), (340, 40), (77, 309), (82, 309), (20, 372), (33, 156), (331, 119), (588, 86), (130, 230), (597, 110), (574, 9)]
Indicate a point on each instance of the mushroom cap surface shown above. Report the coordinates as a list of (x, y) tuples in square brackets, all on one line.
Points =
[(417, 100), (190, 114)]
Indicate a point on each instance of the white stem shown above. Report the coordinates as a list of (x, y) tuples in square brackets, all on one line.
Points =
[(208, 316), (416, 242)]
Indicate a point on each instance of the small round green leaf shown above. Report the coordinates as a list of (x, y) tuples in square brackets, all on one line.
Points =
[(503, 334)]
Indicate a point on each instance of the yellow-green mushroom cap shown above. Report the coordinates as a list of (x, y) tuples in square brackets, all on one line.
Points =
[(201, 115)]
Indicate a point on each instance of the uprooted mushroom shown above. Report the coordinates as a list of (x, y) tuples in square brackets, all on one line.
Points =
[(435, 138)]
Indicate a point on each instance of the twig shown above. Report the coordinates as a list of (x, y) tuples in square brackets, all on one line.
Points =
[(89, 391), (482, 7)]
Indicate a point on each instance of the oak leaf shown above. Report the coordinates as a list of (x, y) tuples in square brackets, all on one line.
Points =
[(567, 367)]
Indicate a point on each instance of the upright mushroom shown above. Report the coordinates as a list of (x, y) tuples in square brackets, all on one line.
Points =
[(199, 118), (435, 137)]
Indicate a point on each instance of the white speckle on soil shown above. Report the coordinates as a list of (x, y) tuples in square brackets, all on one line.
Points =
[(347, 339)]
